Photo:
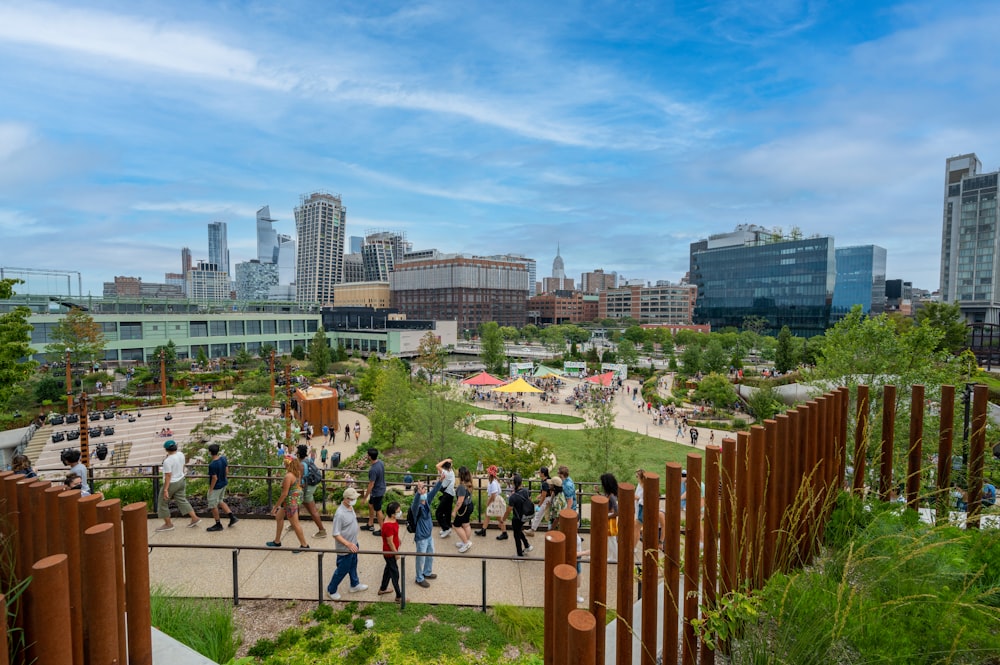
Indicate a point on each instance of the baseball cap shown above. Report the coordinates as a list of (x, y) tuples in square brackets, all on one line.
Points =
[(170, 444), (351, 494)]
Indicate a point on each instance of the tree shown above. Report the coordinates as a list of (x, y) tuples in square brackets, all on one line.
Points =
[(368, 379), (15, 344), (50, 389), (758, 325), (784, 357), (169, 351), (635, 334), (764, 402), (434, 417), (242, 359), (265, 351), (665, 339), (716, 390), (509, 333), (714, 359), (492, 349), (319, 352), (554, 339), (576, 334), (78, 333), (431, 356), (610, 449), (202, 357), (298, 352), (529, 332), (691, 359), (685, 337), (250, 441), (946, 317), (523, 455), (628, 355), (390, 417)]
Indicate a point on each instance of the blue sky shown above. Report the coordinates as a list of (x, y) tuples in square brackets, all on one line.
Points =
[(622, 130)]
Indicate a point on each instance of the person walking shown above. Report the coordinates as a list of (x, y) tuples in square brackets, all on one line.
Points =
[(347, 432), (345, 532), (522, 509), (217, 483), (568, 487), (322, 456), (424, 536), (312, 477), (447, 501), (543, 502), (357, 431), (71, 458), (326, 434), (462, 512), (375, 492), (390, 545), (495, 504), (288, 503), (609, 488), (174, 487)]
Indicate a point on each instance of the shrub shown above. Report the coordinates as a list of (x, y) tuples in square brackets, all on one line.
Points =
[(206, 626)]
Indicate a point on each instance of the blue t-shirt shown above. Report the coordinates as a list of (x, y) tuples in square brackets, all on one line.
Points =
[(376, 474), (218, 467), (569, 490)]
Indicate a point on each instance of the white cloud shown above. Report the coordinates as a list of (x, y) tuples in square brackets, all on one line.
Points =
[(180, 49), (197, 207), (17, 223)]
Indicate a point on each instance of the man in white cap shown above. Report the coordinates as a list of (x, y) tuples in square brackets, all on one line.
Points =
[(174, 488), (345, 533)]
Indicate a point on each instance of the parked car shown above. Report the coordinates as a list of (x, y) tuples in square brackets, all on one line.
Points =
[(95, 432), (58, 436), (72, 418)]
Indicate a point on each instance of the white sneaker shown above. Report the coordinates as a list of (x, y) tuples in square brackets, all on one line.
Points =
[(359, 588), (579, 599), (464, 548), (528, 548), (333, 596), (458, 543), (445, 534)]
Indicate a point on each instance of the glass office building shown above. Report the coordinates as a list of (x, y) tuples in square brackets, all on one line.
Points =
[(860, 280), (756, 272)]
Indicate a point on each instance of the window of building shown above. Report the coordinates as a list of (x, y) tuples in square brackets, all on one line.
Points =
[(219, 351), (199, 329), (269, 327), (253, 327), (130, 331), (132, 354), (236, 328), (218, 328), (284, 326)]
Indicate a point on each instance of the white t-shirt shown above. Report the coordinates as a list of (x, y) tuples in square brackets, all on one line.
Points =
[(494, 487), (639, 490), (174, 465), (448, 482)]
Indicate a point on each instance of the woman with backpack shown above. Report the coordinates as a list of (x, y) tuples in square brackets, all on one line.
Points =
[(523, 509), (312, 477)]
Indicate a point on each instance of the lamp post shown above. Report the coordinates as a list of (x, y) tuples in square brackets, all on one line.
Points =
[(69, 384), (513, 419), (272, 377)]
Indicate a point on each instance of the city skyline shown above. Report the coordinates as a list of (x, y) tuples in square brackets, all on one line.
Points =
[(622, 133)]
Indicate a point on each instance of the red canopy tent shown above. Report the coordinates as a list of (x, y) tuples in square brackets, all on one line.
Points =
[(602, 379), (482, 379)]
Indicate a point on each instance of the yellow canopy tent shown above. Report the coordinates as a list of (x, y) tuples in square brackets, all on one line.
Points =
[(518, 386)]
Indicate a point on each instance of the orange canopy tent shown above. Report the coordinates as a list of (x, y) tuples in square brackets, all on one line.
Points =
[(602, 379), (518, 386), (482, 379)]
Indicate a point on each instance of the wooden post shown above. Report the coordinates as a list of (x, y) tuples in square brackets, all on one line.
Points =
[(914, 458), (672, 601), (888, 433), (599, 574), (710, 569), (140, 642), (555, 554), (109, 511), (861, 428), (977, 449), (945, 441), (49, 626), (100, 634), (564, 583), (650, 572), (582, 638), (692, 550)]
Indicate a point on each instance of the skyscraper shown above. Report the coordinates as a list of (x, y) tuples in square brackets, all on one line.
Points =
[(320, 220), (267, 237), (970, 270), (381, 251), (218, 247), (558, 269), (860, 280)]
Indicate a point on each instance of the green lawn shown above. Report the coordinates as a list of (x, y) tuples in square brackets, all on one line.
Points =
[(559, 418), (650, 453)]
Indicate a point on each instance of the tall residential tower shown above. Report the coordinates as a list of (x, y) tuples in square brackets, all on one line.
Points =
[(320, 220), (218, 247)]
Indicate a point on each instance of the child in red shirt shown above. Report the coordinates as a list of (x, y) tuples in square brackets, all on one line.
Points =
[(390, 545)]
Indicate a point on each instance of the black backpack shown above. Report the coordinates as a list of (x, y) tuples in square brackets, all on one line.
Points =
[(411, 521), (523, 507), (313, 475)]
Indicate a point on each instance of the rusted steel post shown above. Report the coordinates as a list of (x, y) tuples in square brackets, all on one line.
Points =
[(599, 573), (582, 626), (844, 417), (650, 573), (4, 644), (69, 518), (861, 429), (755, 498), (888, 433), (772, 511), (800, 433), (710, 568), (742, 515), (25, 528), (3, 490), (49, 623), (727, 519), (53, 530), (784, 473), (568, 525), (87, 508), (692, 550), (555, 554), (140, 645), (820, 448), (624, 582), (672, 601), (564, 581), (39, 528), (109, 511), (945, 441), (626, 519), (977, 449), (100, 629), (915, 456)]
